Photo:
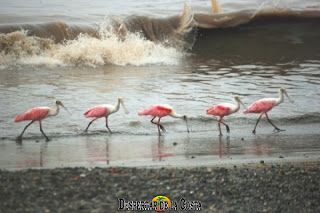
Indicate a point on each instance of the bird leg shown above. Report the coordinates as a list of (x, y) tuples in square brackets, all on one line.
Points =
[(275, 127), (220, 127), (254, 130), (161, 127), (107, 124), (90, 124), (47, 139), (19, 138), (227, 127)]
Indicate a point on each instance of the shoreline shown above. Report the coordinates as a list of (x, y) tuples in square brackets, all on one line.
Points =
[(191, 163), (171, 150)]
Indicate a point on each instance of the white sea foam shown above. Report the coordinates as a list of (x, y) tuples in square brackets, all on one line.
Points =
[(131, 49), (110, 49)]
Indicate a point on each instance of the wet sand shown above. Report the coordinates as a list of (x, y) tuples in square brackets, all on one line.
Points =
[(201, 147), (287, 187)]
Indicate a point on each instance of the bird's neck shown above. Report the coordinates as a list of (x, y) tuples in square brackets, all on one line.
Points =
[(54, 111), (117, 107), (175, 115), (237, 104), (280, 99)]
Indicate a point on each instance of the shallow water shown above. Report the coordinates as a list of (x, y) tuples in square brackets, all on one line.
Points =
[(253, 60), (201, 148)]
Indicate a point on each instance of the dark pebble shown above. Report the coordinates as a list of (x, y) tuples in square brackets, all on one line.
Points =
[(262, 161), (242, 139), (281, 156), (175, 143)]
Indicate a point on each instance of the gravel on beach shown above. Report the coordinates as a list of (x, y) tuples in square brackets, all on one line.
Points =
[(292, 187)]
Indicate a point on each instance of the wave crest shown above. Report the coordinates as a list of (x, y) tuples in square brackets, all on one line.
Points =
[(133, 48), (17, 45)]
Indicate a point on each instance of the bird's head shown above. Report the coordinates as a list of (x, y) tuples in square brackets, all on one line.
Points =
[(120, 100), (61, 104), (58, 102), (238, 99), (284, 91)]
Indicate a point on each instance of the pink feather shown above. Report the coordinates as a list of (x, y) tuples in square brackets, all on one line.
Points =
[(156, 110), (97, 112), (34, 114), (260, 106)]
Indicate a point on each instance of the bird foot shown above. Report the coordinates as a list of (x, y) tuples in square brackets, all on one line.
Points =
[(228, 129), (220, 134), (47, 139), (19, 139), (162, 128), (278, 130), (254, 132)]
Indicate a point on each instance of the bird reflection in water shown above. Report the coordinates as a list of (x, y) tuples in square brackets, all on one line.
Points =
[(222, 147), (96, 153), (159, 151)]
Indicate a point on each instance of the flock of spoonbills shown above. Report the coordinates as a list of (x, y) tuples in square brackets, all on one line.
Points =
[(261, 106)]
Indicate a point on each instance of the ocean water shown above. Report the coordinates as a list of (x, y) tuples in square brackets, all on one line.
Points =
[(87, 53)]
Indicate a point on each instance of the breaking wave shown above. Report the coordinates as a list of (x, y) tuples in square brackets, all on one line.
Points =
[(21, 48), (132, 41)]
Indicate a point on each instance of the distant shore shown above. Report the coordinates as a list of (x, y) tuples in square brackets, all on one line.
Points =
[(286, 187)]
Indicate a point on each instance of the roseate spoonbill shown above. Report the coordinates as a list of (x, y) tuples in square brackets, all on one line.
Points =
[(225, 109), (104, 110), (162, 110), (264, 105), (38, 114)]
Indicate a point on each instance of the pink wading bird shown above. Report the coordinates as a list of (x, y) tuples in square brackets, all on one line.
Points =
[(225, 109), (264, 105), (38, 114), (104, 111), (162, 110)]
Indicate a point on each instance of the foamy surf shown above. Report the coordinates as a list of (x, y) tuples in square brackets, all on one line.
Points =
[(132, 49), (135, 41)]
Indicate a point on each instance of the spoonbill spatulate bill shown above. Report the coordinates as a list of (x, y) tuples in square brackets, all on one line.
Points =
[(225, 109), (162, 110), (104, 110), (38, 114), (264, 105)]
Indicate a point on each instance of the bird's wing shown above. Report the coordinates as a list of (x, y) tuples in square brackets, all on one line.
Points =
[(37, 113), (219, 110), (96, 112), (157, 110), (262, 105)]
